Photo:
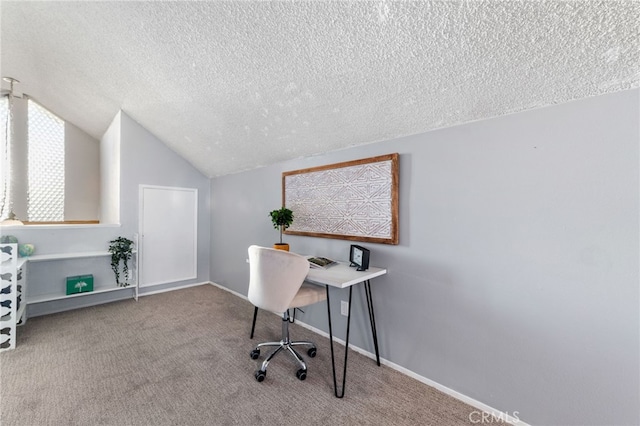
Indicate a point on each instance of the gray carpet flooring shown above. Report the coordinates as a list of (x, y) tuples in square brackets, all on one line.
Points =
[(182, 358)]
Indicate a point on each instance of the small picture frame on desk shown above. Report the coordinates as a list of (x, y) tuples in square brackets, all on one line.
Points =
[(359, 257)]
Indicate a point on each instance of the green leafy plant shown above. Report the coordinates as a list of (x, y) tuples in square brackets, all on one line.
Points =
[(282, 219), (121, 249)]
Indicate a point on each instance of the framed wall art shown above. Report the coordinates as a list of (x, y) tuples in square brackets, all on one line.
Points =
[(355, 200)]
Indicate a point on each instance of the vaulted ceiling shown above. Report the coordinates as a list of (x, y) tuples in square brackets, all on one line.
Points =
[(233, 86)]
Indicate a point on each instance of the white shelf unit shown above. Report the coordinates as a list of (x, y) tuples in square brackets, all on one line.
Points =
[(22, 291), (99, 288), (12, 295)]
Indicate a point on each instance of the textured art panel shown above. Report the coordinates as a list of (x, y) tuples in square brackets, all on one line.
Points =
[(355, 200)]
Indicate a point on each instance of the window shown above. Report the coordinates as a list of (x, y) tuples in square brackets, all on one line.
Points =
[(45, 165), (50, 168)]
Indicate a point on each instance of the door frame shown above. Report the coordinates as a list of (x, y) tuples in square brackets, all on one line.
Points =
[(141, 224)]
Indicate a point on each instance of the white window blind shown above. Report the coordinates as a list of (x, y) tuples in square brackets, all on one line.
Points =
[(46, 165)]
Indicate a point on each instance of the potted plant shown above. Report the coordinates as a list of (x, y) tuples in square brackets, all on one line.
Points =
[(121, 249), (282, 219)]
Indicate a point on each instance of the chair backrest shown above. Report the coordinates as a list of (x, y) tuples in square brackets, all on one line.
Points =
[(275, 277)]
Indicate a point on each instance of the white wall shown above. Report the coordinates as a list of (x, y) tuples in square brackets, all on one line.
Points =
[(20, 157), (82, 175), (110, 172), (515, 281)]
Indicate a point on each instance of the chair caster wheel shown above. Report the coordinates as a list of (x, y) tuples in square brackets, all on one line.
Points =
[(260, 375), (301, 374), (312, 352), (255, 354)]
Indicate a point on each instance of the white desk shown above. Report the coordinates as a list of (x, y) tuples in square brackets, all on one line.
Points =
[(342, 275)]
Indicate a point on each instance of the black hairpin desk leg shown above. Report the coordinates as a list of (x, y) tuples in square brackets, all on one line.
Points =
[(346, 346), (372, 318)]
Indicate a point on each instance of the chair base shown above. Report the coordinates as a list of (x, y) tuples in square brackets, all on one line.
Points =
[(283, 345)]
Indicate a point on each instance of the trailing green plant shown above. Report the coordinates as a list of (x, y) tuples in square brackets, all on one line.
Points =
[(281, 219), (121, 249)]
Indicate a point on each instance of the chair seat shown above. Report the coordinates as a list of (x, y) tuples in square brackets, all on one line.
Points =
[(308, 295)]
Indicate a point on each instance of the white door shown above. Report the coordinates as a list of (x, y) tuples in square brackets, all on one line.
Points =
[(168, 234)]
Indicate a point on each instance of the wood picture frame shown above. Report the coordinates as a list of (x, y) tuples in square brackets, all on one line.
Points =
[(354, 200)]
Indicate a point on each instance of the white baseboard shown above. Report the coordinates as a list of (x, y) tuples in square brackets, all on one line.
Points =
[(164, 290), (241, 296), (499, 415)]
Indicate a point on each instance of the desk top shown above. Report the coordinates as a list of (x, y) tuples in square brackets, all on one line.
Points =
[(342, 275)]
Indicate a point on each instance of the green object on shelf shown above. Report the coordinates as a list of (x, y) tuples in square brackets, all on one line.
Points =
[(79, 284), (26, 250)]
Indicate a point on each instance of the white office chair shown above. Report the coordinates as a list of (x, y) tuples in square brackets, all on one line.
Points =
[(275, 284)]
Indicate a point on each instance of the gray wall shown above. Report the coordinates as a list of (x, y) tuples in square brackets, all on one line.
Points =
[(516, 278), (137, 146), (146, 160)]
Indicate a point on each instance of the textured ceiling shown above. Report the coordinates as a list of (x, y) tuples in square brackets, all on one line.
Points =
[(233, 86)]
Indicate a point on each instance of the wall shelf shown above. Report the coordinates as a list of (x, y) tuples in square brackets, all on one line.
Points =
[(104, 287), (66, 256), (62, 256), (58, 296)]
